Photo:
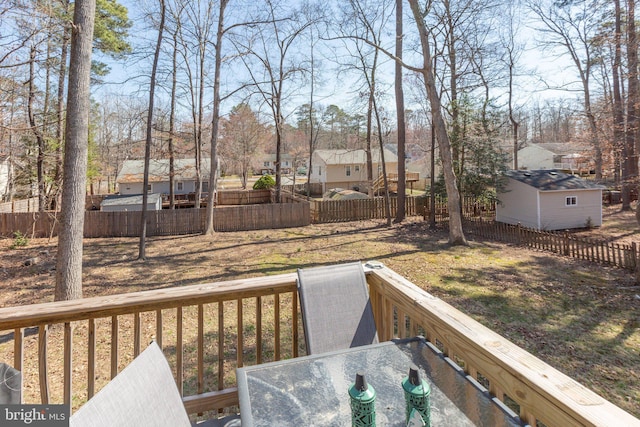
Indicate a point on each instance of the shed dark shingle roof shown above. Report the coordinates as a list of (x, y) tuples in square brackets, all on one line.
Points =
[(551, 179)]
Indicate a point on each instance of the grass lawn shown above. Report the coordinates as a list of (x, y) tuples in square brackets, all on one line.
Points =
[(581, 318)]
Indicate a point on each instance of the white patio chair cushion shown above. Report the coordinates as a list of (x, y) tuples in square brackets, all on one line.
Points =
[(142, 394), (335, 305)]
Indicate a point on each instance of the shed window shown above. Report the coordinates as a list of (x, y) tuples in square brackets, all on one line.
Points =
[(347, 170), (571, 201)]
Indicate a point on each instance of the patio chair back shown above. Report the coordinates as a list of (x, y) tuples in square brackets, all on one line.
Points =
[(10, 385), (335, 305), (142, 394)]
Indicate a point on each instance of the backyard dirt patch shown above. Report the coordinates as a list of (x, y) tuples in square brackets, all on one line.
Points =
[(581, 318)]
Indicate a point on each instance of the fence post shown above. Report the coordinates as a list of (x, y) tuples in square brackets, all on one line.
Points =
[(519, 234), (634, 256), (565, 242)]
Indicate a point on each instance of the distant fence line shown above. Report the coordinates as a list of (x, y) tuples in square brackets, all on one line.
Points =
[(164, 222), (23, 205), (364, 209), (323, 211), (297, 212), (559, 242)]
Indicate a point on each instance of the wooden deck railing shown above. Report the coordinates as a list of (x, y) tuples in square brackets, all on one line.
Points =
[(69, 350)]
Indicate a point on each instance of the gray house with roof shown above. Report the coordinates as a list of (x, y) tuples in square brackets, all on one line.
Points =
[(131, 176), (549, 200)]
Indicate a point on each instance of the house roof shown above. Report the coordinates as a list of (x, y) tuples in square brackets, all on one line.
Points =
[(562, 148), (132, 171), (552, 180), (271, 157), (129, 200), (354, 157)]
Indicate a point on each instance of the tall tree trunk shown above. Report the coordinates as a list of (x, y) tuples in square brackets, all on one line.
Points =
[(42, 201), (199, 127), (456, 233), (383, 163), (147, 150), (172, 121), (432, 188), (512, 119), (368, 143), (69, 258), (62, 73), (400, 212), (215, 121), (632, 100)]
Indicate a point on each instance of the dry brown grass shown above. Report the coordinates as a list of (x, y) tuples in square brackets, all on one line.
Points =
[(581, 318)]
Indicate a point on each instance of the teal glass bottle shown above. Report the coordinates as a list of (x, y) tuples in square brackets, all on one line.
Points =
[(417, 393), (363, 399)]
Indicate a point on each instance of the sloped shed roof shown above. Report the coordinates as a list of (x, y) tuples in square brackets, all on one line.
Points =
[(129, 200), (132, 171), (552, 180)]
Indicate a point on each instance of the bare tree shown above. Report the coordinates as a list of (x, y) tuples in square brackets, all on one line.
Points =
[(512, 52), (69, 258), (571, 28), (273, 62), (242, 134), (400, 212), (215, 120), (195, 38), (456, 233), (148, 141)]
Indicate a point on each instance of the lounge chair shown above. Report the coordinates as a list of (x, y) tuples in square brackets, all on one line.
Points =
[(142, 394)]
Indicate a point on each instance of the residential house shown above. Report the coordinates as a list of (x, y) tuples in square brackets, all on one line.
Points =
[(347, 169), (571, 157), (549, 200), (5, 177), (131, 175), (269, 164)]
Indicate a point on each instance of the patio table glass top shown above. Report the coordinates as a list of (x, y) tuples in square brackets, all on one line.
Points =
[(313, 390)]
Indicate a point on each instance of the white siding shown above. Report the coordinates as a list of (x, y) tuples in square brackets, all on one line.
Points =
[(556, 215), (132, 188), (518, 204), (534, 157), (4, 178)]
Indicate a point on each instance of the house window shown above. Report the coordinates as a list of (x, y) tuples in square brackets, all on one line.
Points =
[(347, 170), (319, 170), (356, 168), (179, 186), (148, 188), (571, 201), (266, 164), (205, 186)]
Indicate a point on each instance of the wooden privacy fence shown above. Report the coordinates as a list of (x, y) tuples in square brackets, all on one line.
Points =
[(162, 223), (244, 197), (563, 243), (25, 205), (355, 210)]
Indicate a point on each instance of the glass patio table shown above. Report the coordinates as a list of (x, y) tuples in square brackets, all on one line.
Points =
[(313, 390)]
